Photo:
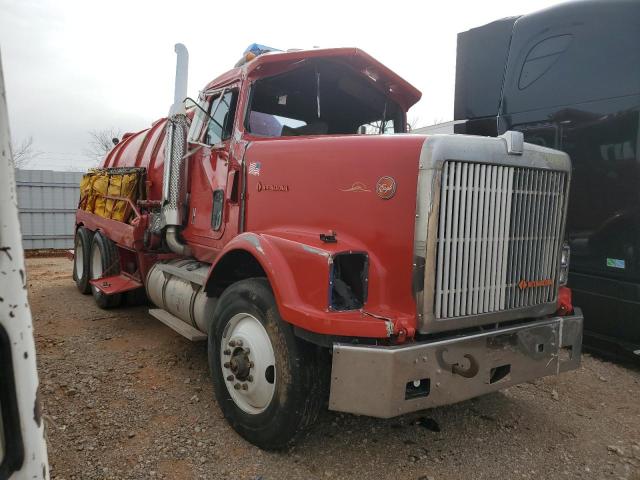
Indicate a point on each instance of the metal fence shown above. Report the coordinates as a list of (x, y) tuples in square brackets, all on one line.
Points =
[(47, 202)]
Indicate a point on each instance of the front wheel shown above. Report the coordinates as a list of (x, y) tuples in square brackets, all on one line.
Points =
[(267, 382)]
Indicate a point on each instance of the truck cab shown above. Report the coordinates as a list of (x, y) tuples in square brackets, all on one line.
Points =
[(573, 85), (285, 218)]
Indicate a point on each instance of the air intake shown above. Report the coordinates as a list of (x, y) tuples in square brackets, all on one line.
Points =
[(499, 237)]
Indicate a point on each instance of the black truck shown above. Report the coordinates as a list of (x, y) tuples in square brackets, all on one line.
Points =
[(568, 77)]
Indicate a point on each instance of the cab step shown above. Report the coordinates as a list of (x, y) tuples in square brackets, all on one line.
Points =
[(178, 325), (116, 284)]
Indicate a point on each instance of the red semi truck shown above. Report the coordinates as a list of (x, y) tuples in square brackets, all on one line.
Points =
[(394, 272)]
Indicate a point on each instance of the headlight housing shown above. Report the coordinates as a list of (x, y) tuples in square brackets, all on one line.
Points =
[(565, 256)]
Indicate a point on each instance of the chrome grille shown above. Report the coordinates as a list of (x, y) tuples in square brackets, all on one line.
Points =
[(499, 237)]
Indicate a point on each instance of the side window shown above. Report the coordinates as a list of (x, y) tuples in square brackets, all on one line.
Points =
[(541, 58), (220, 127)]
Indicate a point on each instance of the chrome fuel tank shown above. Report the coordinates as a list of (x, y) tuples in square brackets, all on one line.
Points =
[(177, 286)]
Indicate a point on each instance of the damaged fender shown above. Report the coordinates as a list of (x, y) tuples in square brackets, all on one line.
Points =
[(298, 268)]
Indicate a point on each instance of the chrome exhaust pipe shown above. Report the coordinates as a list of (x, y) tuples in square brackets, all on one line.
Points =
[(174, 243), (175, 171)]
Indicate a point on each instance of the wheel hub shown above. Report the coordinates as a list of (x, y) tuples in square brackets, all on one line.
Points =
[(79, 259), (248, 363), (240, 364)]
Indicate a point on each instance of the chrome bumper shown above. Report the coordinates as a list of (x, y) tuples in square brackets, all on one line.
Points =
[(388, 381)]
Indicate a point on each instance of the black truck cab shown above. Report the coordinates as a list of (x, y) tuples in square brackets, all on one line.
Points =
[(568, 77)]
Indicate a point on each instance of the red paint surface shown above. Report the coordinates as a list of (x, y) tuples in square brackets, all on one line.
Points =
[(115, 284)]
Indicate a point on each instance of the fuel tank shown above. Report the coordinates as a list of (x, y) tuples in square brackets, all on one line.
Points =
[(174, 286)]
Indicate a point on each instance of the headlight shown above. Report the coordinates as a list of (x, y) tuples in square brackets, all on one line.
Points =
[(564, 264)]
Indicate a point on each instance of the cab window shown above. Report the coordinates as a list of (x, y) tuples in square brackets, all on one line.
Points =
[(377, 127), (322, 97), (222, 111)]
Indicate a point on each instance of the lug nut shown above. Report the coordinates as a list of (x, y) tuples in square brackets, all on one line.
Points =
[(227, 365), (230, 378), (239, 343), (251, 364), (227, 352), (245, 386), (236, 386), (250, 378), (232, 343)]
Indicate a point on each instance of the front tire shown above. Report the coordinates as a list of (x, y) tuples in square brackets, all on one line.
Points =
[(81, 255), (267, 382), (105, 261)]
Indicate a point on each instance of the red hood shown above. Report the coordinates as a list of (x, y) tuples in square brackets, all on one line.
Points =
[(305, 186)]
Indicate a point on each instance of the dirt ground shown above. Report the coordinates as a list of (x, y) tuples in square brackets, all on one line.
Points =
[(126, 397)]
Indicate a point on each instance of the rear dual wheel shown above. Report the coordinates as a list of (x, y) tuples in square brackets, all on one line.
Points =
[(104, 262), (99, 259), (269, 384), (81, 254)]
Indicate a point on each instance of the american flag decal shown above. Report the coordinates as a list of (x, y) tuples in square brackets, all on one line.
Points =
[(254, 168)]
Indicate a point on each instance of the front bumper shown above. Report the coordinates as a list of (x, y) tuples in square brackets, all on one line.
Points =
[(388, 381)]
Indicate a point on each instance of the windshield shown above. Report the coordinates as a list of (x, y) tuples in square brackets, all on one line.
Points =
[(321, 98)]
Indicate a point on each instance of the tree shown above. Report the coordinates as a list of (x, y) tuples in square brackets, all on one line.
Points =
[(101, 142), (24, 153), (413, 122)]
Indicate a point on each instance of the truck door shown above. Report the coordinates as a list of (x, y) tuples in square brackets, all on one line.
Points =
[(604, 210), (209, 169)]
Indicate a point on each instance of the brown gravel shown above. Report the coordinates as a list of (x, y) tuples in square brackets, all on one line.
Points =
[(126, 397)]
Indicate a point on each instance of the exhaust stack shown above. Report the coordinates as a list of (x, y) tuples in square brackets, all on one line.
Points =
[(175, 172), (182, 77)]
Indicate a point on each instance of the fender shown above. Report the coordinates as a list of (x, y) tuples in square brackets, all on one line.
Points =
[(297, 267), (269, 258)]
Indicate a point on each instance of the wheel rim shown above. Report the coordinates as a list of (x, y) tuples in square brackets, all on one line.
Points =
[(79, 258), (96, 265), (248, 363)]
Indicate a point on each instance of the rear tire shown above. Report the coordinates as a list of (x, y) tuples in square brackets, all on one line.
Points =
[(105, 261), (81, 255), (273, 403)]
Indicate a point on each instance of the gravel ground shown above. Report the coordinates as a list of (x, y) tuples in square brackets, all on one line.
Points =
[(126, 397)]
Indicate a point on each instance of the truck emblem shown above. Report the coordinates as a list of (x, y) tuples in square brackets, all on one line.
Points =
[(534, 283), (272, 187), (386, 187), (356, 187)]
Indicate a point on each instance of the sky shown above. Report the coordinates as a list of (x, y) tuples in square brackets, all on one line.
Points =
[(71, 66)]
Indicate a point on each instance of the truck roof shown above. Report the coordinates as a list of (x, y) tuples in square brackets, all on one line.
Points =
[(272, 63)]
